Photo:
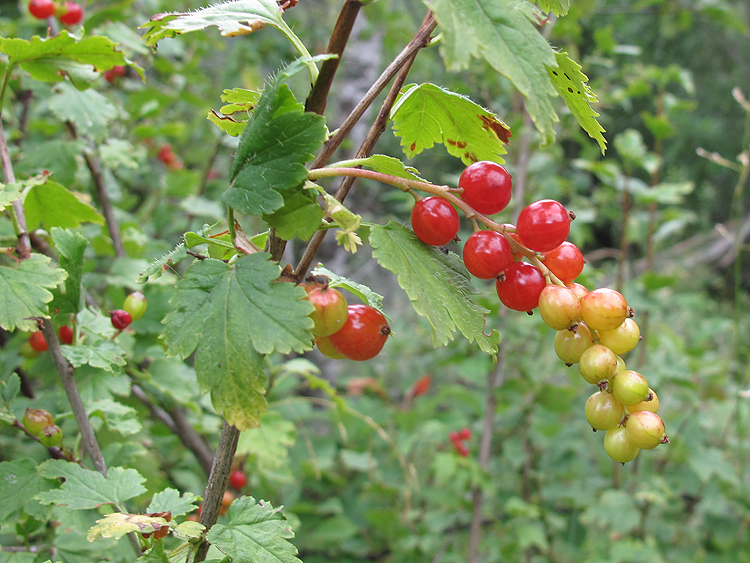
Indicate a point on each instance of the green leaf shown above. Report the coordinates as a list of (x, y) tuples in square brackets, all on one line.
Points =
[(270, 442), (232, 18), (230, 316), (70, 247), (90, 111), (24, 292), (384, 164), (277, 142), (437, 285), (426, 114), (256, 532), (52, 205), (557, 7), (239, 100), (367, 295), (170, 500), (104, 354), (117, 524), (9, 389), (19, 482), (572, 85), (120, 418), (52, 59), (300, 217), (10, 193), (227, 124), (84, 488), (502, 32)]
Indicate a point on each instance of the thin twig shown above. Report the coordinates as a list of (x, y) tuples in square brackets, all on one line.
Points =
[(65, 372), (405, 60), (95, 168), (19, 215)]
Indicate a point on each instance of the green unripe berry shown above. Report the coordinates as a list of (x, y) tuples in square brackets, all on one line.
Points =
[(34, 421), (618, 446), (646, 430), (571, 343), (559, 307), (629, 387), (651, 405), (622, 339), (135, 304), (598, 363), (51, 436), (603, 411)]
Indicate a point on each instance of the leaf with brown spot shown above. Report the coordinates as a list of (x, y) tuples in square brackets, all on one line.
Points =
[(426, 114)]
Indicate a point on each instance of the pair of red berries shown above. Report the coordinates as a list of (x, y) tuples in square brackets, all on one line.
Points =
[(39, 344), (133, 308), (486, 188), (357, 332), (459, 438), (169, 158), (69, 13)]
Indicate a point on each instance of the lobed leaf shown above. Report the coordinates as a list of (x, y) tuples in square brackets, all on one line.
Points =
[(256, 532), (571, 84), (53, 59), (24, 292), (70, 247), (52, 205), (502, 32), (117, 524), (19, 482), (104, 354), (278, 140), (84, 488), (170, 500), (557, 7), (426, 114), (230, 316), (437, 285)]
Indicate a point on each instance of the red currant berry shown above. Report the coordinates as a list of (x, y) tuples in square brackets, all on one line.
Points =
[(73, 13), (464, 434), (486, 187), (543, 225), (434, 221), (559, 307), (453, 435), (37, 341), (461, 448), (226, 500), (363, 335), (565, 261), (520, 285), (486, 254), (238, 479), (330, 310), (42, 9), (114, 73), (120, 319), (66, 335)]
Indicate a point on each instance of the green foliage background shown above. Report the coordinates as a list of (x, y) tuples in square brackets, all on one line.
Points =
[(363, 469)]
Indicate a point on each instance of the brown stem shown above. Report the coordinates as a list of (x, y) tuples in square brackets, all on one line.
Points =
[(177, 423), (65, 371), (401, 65), (217, 483), (318, 98), (22, 232), (95, 168)]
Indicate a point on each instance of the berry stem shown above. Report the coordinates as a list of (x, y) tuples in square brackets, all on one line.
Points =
[(407, 185)]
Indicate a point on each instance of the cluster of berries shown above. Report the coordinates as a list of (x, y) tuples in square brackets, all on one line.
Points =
[(357, 332), (41, 424), (69, 13), (169, 158), (594, 327), (458, 439), (133, 309)]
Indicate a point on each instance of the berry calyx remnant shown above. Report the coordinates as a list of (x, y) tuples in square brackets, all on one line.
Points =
[(50, 436), (434, 220), (486, 186), (363, 335)]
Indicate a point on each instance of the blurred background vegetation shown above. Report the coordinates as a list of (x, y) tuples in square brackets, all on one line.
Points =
[(664, 217)]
